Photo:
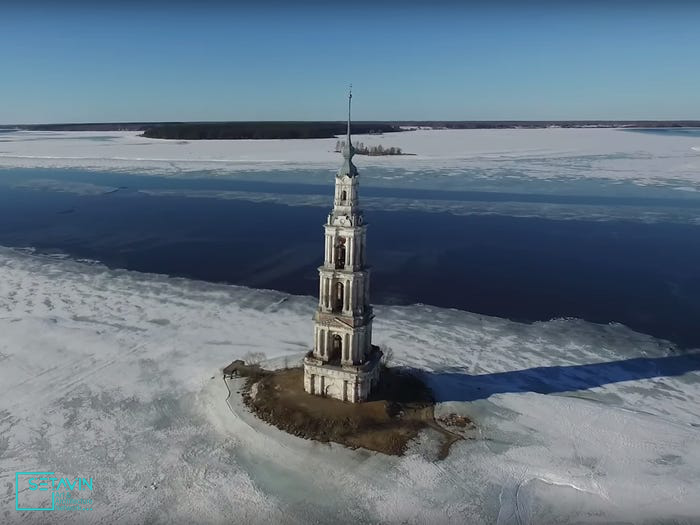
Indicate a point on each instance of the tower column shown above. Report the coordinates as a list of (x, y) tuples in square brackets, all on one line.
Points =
[(367, 293), (355, 295)]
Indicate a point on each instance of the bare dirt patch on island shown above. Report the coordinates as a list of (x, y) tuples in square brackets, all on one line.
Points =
[(400, 408)]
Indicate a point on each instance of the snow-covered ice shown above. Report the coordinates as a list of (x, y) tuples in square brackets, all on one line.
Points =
[(438, 156), (115, 375)]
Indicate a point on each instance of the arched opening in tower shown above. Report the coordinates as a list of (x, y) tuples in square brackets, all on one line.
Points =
[(338, 297), (340, 254), (344, 196)]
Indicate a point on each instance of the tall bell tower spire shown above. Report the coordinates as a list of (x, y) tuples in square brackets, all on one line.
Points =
[(349, 111), (344, 364), (348, 169)]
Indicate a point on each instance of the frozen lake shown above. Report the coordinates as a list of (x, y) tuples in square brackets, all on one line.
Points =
[(557, 271), (628, 257), (492, 160), (115, 375)]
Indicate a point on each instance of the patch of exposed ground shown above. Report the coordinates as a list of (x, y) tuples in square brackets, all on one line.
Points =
[(400, 408)]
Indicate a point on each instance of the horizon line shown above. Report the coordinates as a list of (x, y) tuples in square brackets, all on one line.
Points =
[(396, 121)]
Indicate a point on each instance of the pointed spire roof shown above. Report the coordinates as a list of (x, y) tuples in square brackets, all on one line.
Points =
[(349, 111), (348, 169)]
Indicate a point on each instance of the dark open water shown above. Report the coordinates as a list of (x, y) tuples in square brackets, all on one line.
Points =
[(646, 276)]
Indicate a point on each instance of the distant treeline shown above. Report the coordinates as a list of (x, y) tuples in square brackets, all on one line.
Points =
[(534, 124), (264, 130), (308, 130), (374, 151)]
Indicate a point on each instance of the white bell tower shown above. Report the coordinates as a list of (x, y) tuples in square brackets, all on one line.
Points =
[(343, 363)]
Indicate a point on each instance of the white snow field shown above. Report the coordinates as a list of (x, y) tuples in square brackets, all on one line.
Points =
[(540, 154), (116, 375)]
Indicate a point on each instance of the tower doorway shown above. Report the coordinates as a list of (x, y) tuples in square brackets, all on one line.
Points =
[(336, 349)]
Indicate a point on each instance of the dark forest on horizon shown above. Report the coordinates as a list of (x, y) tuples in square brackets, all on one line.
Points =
[(328, 129)]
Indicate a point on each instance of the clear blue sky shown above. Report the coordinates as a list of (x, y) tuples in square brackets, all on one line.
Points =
[(87, 62)]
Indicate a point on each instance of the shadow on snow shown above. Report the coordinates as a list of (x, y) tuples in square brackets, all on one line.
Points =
[(458, 386)]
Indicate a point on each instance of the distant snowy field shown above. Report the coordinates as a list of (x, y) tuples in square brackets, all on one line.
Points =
[(116, 375), (539, 154)]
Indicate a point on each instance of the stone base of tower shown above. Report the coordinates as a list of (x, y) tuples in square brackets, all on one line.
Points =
[(344, 382)]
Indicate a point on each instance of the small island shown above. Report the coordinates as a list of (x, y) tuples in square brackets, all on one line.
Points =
[(400, 408), (374, 151)]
